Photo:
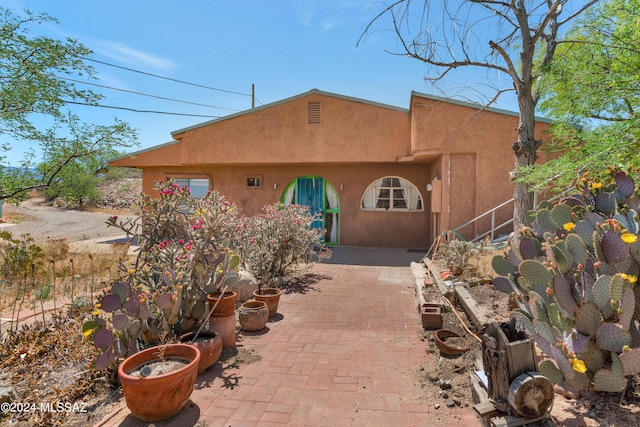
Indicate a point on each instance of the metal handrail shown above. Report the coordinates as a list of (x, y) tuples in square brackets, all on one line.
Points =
[(492, 212)]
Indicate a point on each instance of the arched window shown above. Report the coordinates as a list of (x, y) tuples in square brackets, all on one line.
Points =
[(392, 193)]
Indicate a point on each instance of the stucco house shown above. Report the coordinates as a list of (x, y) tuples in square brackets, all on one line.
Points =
[(382, 176)]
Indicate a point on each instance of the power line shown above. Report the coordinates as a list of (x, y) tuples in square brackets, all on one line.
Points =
[(165, 78), (146, 94), (141, 111)]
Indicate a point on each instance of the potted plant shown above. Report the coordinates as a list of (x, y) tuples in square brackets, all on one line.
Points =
[(185, 255), (276, 242), (157, 382)]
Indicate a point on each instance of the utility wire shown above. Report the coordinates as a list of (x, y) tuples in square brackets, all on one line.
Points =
[(165, 78), (141, 111), (145, 94)]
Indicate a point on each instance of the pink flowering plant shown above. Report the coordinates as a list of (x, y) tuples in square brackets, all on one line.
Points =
[(185, 254), (276, 242)]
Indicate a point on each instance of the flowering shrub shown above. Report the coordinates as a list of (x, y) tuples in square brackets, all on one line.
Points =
[(574, 272), (275, 242), (185, 254)]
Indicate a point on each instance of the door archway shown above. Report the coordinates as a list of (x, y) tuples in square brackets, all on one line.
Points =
[(321, 197)]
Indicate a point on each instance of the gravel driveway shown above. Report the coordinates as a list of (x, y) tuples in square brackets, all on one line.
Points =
[(45, 222)]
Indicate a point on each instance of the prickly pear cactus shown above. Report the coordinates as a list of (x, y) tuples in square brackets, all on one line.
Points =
[(574, 273)]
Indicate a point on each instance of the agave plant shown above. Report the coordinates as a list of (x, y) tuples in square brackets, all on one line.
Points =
[(574, 272)]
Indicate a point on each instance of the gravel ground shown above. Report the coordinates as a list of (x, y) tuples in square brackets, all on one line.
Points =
[(45, 222)]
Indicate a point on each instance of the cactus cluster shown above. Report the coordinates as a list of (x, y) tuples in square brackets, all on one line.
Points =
[(186, 253), (574, 272)]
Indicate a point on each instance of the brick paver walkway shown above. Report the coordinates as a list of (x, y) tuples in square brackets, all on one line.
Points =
[(339, 353)]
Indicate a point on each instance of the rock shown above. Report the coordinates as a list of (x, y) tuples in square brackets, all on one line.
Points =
[(245, 286), (445, 384), (433, 377), (8, 394), (450, 403), (437, 406)]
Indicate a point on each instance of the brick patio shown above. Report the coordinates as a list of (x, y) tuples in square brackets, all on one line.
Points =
[(338, 354)]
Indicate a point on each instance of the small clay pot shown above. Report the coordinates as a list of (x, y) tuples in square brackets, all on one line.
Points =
[(440, 337), (253, 315), (271, 296), (226, 305)]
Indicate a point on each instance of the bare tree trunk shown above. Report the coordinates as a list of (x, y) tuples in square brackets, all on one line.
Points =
[(525, 151)]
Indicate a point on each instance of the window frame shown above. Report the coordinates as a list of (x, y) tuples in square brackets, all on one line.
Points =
[(374, 194), (179, 179)]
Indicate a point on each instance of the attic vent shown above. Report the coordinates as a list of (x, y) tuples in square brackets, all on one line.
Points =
[(314, 112)]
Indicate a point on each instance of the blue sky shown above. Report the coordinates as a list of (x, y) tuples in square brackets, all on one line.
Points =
[(284, 47)]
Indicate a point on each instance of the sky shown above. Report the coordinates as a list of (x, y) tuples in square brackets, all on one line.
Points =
[(281, 47)]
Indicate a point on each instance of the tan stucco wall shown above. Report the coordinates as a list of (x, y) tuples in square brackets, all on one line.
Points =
[(357, 227), (349, 132), (476, 158), (355, 143)]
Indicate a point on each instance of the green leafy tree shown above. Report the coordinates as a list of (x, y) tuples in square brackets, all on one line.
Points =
[(516, 39), (34, 89), (591, 91)]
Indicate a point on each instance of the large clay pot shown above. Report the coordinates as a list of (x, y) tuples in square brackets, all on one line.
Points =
[(210, 345), (226, 303), (226, 327), (253, 315), (271, 296), (159, 397)]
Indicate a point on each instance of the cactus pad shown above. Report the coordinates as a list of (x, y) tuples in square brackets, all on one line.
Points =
[(592, 356), (587, 318), (121, 289), (502, 266), (515, 258), (605, 203), (576, 247), (627, 306), (564, 295), (110, 303), (630, 361), (585, 230), (601, 292), (578, 382), (545, 220), (529, 248), (502, 284), (613, 248), (535, 272), (103, 339), (611, 337), (551, 371), (607, 381), (624, 184), (561, 213)]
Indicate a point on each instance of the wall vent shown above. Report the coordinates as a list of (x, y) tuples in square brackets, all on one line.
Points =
[(313, 110)]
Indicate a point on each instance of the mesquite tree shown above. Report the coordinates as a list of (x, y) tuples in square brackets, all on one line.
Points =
[(516, 38)]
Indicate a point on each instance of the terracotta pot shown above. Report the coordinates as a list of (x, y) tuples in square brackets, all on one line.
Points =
[(271, 296), (450, 350), (210, 345), (226, 306), (226, 327), (159, 397), (253, 315)]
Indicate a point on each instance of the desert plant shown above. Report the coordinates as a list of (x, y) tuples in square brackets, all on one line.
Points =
[(274, 243), (22, 262), (185, 254), (574, 272), (457, 253)]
